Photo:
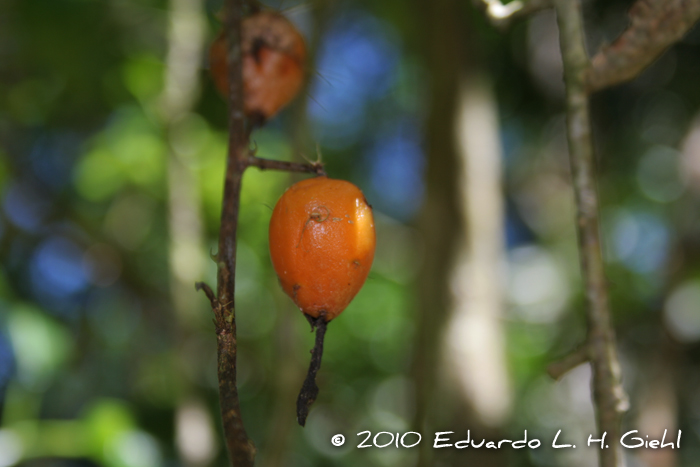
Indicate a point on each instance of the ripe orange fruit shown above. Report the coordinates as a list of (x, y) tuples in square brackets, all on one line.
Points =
[(322, 244), (274, 56)]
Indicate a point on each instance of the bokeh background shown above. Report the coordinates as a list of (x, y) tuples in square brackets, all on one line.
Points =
[(112, 144)]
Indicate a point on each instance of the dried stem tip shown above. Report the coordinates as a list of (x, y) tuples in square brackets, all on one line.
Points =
[(309, 390)]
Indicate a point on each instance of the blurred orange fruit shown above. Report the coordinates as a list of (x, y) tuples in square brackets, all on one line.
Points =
[(274, 56)]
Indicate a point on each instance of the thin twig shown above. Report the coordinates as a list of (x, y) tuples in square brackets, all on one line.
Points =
[(309, 390), (208, 292), (559, 368), (502, 15), (269, 164), (608, 395), (654, 26)]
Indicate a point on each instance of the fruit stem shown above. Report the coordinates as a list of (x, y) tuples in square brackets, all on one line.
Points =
[(309, 390)]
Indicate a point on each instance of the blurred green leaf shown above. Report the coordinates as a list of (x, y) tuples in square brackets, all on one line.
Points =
[(42, 346)]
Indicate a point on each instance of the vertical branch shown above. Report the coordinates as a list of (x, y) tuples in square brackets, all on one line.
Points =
[(240, 447), (654, 26), (608, 395)]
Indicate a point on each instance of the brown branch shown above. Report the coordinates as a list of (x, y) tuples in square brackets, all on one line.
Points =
[(208, 292), (269, 164), (654, 26), (608, 395), (241, 448), (502, 16), (559, 368)]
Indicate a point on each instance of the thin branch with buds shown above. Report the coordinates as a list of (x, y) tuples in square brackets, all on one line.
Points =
[(240, 446)]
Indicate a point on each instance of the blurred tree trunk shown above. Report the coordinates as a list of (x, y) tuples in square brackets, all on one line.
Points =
[(186, 40), (195, 438), (439, 221), (440, 404), (474, 350)]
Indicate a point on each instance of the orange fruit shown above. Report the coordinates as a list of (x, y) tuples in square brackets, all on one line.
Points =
[(322, 244), (274, 56)]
